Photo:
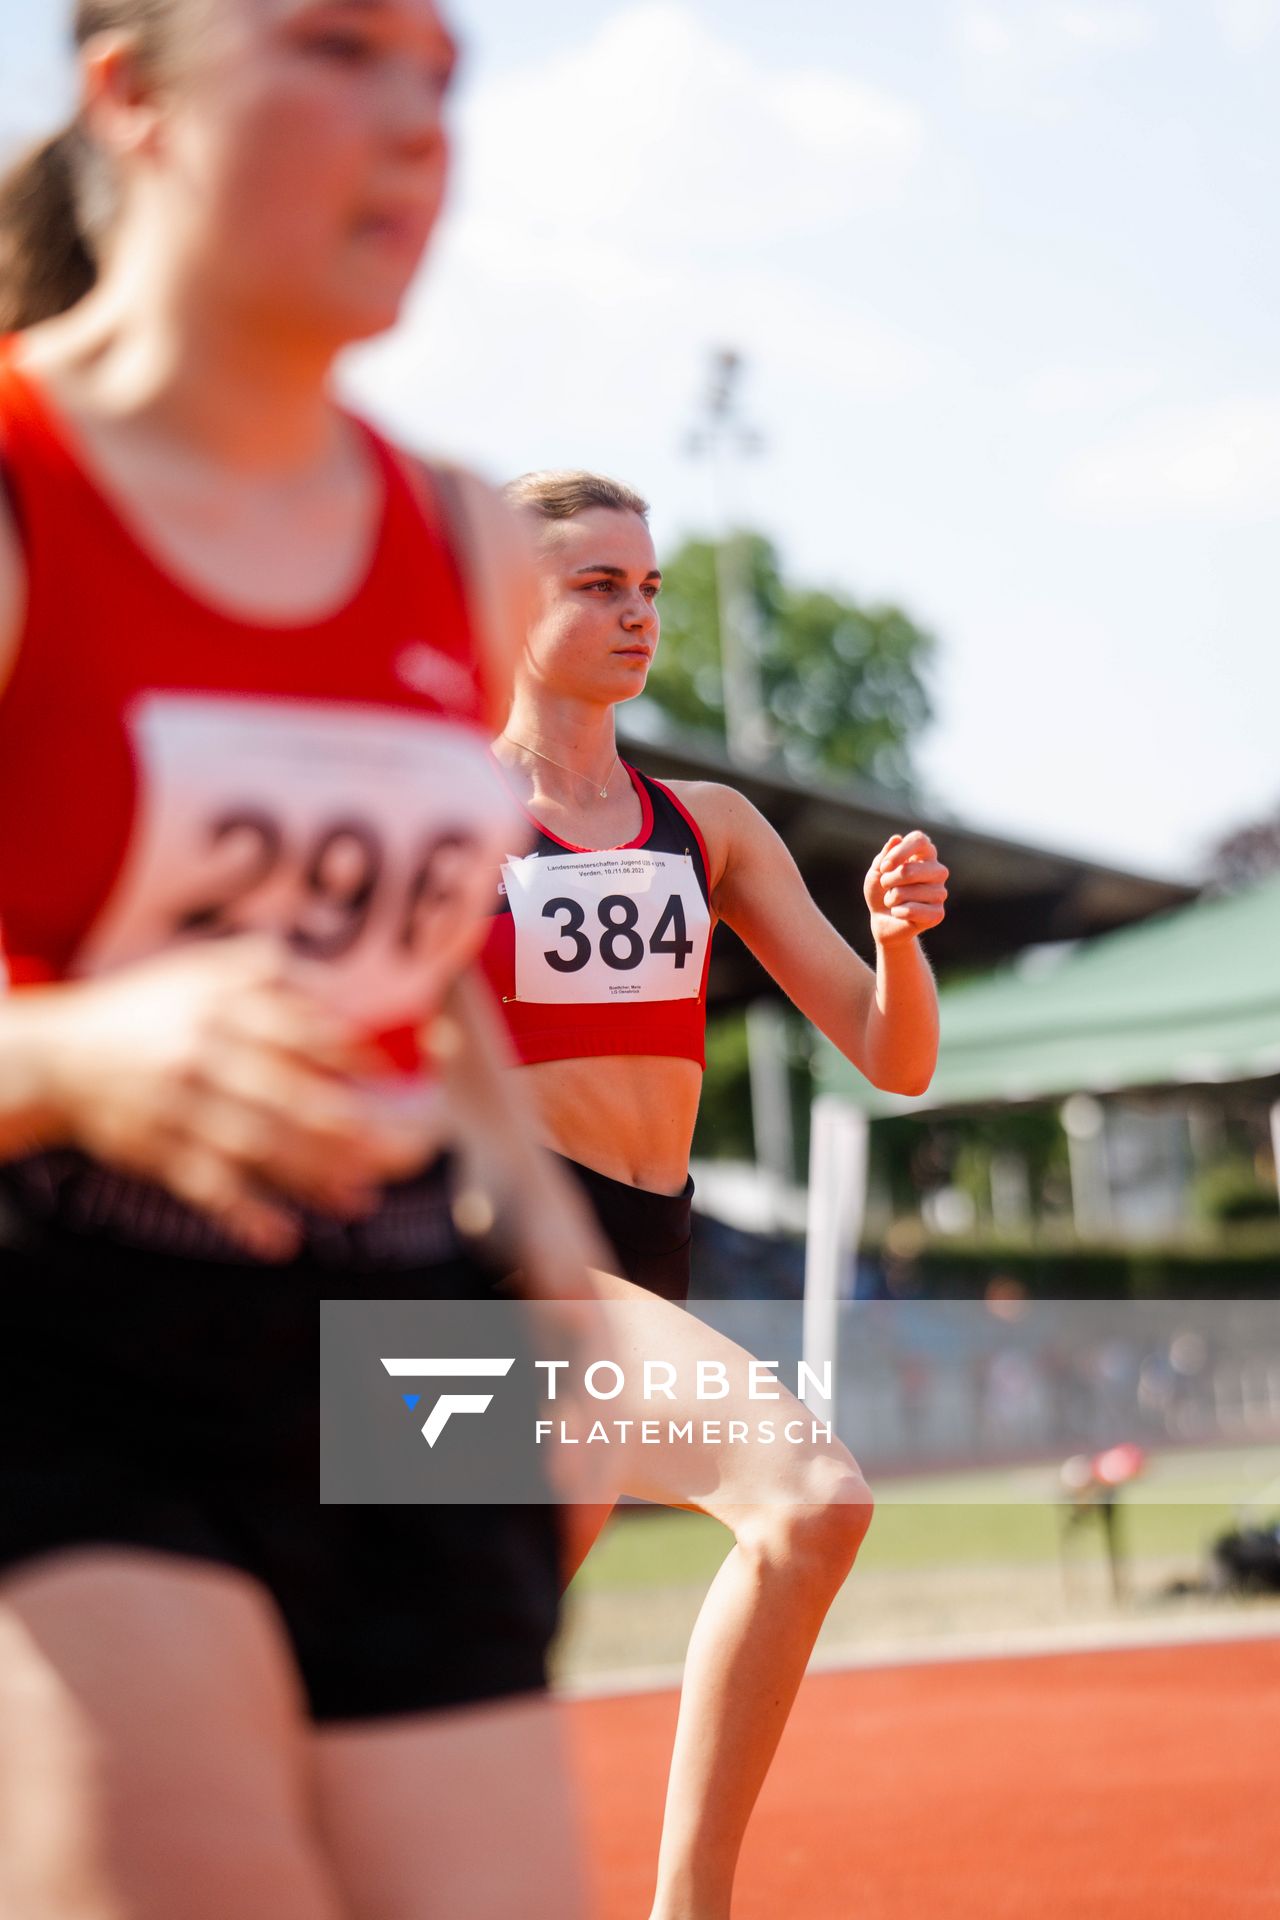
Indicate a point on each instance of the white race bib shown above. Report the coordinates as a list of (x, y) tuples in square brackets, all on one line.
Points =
[(366, 838), (624, 925)]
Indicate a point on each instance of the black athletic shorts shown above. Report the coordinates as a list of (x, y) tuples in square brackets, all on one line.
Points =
[(173, 1404), (650, 1232)]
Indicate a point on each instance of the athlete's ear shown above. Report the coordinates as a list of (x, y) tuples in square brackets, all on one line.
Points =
[(120, 109)]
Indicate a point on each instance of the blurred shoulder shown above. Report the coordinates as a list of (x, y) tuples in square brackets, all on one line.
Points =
[(495, 557), (486, 515)]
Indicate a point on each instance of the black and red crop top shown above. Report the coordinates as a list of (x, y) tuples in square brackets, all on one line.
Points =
[(600, 952)]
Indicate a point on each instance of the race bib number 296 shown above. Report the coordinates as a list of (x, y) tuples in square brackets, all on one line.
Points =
[(365, 838), (612, 926)]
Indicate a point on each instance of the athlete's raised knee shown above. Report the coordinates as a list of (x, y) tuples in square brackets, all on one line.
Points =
[(830, 1518), (818, 1524)]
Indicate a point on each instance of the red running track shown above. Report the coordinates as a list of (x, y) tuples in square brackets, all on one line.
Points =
[(1134, 1784)]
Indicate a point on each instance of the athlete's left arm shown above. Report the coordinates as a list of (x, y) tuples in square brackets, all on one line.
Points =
[(885, 1021)]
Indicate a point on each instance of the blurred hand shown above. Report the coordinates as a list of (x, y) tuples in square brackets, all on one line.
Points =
[(905, 888), (509, 1191), (219, 1073), (531, 1219)]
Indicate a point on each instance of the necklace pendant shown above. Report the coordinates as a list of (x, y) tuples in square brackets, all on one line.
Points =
[(604, 793)]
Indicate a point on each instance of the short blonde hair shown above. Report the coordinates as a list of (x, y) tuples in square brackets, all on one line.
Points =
[(563, 493)]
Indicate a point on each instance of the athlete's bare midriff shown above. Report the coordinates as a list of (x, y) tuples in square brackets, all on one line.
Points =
[(628, 1116)]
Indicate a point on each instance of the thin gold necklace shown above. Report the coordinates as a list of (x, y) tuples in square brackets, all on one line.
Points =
[(539, 755)]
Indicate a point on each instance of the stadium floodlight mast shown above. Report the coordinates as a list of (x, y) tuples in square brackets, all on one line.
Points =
[(723, 436)]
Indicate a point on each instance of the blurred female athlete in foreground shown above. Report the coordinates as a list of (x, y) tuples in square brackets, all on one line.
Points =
[(246, 818), (601, 967)]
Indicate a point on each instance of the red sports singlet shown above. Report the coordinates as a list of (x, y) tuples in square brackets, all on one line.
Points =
[(607, 952), (170, 771)]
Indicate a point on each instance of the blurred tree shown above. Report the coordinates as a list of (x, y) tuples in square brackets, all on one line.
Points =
[(915, 1153), (725, 1130), (843, 685), (1245, 855), (1233, 1190)]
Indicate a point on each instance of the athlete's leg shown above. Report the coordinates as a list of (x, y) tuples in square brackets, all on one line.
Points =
[(458, 1815), (582, 1526), (153, 1750), (798, 1515)]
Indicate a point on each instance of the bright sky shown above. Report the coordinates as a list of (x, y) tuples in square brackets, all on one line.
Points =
[(1007, 277)]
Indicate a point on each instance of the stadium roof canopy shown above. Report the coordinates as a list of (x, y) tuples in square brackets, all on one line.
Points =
[(1005, 893), (1190, 997)]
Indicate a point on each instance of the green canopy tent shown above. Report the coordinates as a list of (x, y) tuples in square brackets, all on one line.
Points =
[(1186, 998)]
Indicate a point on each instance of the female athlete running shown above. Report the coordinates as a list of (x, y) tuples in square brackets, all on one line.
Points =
[(600, 964), (246, 817)]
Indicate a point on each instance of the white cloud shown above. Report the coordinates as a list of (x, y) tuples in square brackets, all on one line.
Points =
[(1039, 33), (522, 355), (1218, 462), (1248, 23), (1110, 29), (985, 34), (621, 209), (1020, 52), (1072, 391), (658, 133)]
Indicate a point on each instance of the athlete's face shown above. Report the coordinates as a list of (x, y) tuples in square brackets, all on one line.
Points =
[(595, 629), (307, 144)]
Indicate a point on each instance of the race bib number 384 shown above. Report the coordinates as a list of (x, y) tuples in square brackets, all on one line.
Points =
[(613, 926)]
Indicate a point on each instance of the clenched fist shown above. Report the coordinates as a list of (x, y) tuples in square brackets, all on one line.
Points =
[(905, 888)]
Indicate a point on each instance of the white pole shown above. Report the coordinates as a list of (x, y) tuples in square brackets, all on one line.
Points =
[(1275, 1141), (770, 1093), (1084, 1123), (837, 1203), (1010, 1192)]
